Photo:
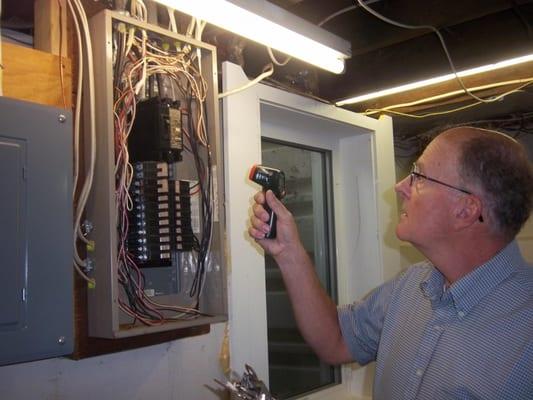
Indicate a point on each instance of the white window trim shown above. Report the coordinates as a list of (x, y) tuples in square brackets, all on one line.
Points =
[(365, 206)]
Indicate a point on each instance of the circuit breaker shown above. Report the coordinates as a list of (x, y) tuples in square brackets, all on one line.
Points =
[(36, 310), (158, 240)]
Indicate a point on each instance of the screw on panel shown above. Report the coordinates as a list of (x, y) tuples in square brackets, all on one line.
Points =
[(87, 227), (62, 118), (89, 265), (61, 340)]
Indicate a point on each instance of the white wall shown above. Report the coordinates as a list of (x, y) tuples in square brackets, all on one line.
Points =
[(178, 370)]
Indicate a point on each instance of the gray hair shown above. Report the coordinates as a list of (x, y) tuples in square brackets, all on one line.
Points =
[(499, 166)]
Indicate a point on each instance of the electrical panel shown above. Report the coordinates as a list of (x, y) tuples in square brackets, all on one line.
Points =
[(36, 309), (156, 250)]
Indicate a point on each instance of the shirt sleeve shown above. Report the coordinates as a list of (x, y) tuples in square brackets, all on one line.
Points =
[(361, 322)]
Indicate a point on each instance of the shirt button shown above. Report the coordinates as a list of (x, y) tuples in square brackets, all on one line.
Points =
[(461, 314), (437, 327), (419, 372)]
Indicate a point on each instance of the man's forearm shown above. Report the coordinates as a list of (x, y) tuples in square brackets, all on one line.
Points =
[(315, 312)]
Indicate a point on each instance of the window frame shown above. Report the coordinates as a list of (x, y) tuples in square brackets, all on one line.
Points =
[(363, 175)]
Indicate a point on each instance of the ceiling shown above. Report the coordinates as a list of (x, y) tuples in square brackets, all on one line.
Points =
[(476, 32)]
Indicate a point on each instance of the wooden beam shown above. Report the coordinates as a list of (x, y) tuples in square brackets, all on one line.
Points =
[(50, 34), (35, 76), (516, 72)]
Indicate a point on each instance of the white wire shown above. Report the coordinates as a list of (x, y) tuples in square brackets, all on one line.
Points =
[(275, 60), (77, 259), (442, 42), (264, 75), (452, 93), (431, 114), (190, 27), (76, 8), (342, 11), (92, 149), (172, 20), (77, 112)]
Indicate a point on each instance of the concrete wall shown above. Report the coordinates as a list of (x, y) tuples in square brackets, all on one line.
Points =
[(178, 370)]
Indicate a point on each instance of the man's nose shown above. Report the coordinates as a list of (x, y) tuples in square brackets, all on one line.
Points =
[(403, 187)]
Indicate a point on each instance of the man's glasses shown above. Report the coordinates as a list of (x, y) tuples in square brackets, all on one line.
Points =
[(415, 174)]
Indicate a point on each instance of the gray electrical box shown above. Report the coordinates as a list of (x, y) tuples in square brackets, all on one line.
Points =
[(168, 287), (36, 291)]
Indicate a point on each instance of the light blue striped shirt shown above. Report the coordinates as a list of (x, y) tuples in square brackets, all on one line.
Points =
[(472, 341)]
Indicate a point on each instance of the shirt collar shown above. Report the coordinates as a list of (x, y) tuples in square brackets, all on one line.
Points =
[(470, 289), (433, 285)]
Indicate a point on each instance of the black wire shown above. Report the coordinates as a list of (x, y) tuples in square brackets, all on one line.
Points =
[(205, 191)]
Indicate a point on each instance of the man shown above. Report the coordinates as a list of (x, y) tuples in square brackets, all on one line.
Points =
[(457, 326)]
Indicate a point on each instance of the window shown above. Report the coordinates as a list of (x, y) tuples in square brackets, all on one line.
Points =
[(294, 368), (363, 203)]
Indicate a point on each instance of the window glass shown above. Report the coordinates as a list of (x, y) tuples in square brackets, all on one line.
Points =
[(294, 369)]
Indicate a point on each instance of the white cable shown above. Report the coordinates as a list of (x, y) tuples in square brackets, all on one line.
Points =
[(442, 42), (452, 93), (275, 60), (77, 110), (76, 8), (249, 84), (77, 259), (342, 11), (82, 201), (190, 27), (172, 20)]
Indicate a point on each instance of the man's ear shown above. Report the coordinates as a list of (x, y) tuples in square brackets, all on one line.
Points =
[(469, 210)]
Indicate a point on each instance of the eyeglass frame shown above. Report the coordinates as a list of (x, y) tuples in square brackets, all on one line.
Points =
[(414, 173)]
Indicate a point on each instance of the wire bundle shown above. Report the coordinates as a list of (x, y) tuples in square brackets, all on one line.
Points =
[(84, 43), (139, 63)]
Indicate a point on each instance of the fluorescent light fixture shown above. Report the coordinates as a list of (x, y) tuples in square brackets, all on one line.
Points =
[(438, 79), (268, 24)]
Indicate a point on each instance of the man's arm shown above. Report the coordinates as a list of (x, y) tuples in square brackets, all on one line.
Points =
[(315, 312)]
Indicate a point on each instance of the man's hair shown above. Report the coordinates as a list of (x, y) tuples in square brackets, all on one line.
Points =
[(499, 166)]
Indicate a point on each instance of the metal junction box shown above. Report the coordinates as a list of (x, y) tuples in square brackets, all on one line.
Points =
[(36, 309), (167, 283)]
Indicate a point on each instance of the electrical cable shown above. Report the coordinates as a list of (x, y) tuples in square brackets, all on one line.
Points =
[(275, 60), (343, 11), (432, 114), (172, 20), (268, 72), (442, 42), (523, 83), (78, 17), (82, 201), (60, 58)]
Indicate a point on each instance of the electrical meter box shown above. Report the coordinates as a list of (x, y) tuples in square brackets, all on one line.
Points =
[(36, 309), (156, 206)]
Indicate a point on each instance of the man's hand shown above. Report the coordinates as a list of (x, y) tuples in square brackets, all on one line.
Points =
[(287, 239)]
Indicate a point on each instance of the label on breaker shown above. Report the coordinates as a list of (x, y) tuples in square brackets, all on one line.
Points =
[(215, 192), (195, 210)]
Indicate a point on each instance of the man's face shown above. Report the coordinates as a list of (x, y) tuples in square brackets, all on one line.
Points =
[(427, 207)]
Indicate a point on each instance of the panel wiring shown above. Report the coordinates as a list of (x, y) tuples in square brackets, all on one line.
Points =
[(144, 67)]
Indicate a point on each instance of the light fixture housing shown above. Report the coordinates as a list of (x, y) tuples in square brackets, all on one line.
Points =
[(432, 81), (268, 24)]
